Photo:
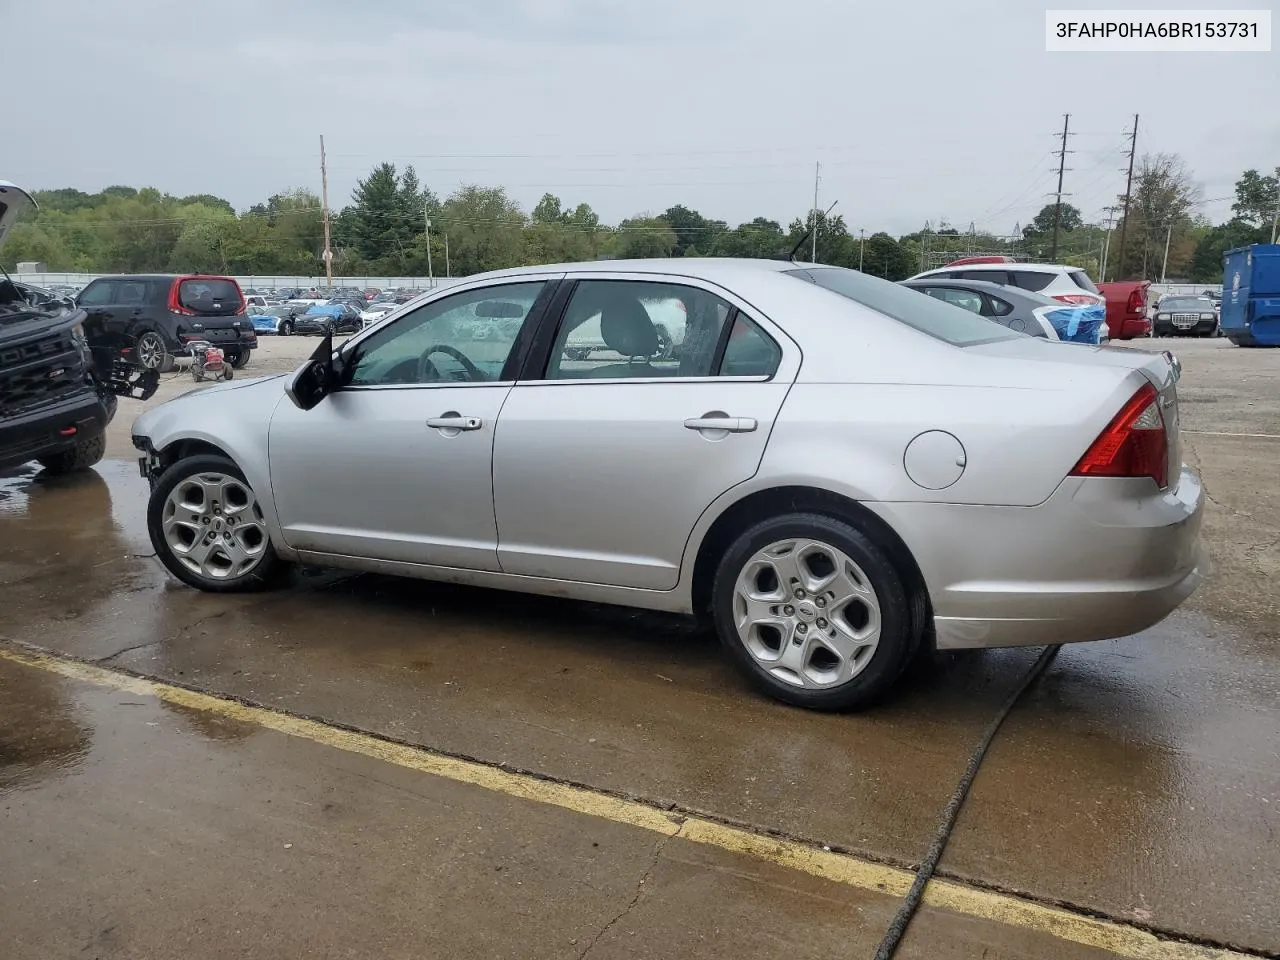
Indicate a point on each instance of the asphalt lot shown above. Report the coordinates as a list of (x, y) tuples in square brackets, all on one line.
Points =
[(360, 766)]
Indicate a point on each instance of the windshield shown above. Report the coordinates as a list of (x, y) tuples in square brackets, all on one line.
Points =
[(1187, 303), (943, 321)]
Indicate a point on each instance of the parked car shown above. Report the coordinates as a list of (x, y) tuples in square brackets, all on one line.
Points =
[(1127, 308), (327, 318), (57, 393), (854, 473), (270, 321), (1185, 316), (376, 311), (1010, 307), (156, 316), (1066, 284)]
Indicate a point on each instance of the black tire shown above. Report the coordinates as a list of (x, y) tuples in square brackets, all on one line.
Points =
[(270, 568), (86, 452), (899, 638), (237, 357)]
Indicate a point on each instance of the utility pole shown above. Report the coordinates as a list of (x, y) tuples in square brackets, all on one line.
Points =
[(324, 195), (1275, 217), (862, 246), (447, 273), (817, 170), (426, 215), (1062, 166), (1128, 193), (1165, 265), (1106, 241)]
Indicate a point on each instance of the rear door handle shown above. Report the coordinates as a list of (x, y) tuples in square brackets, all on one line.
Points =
[(728, 424), (454, 422)]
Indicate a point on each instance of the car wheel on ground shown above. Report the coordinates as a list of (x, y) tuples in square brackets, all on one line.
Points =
[(813, 612), (152, 354), (207, 527), (237, 358), (86, 452)]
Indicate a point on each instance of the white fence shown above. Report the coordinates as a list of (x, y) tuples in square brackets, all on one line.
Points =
[(261, 282)]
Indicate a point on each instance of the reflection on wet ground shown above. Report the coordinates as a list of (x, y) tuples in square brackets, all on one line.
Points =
[(1140, 779)]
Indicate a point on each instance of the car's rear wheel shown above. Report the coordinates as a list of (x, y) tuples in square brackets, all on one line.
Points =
[(207, 527), (813, 612), (237, 357), (151, 353)]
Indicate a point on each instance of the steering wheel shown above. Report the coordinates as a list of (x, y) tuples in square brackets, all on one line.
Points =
[(428, 372)]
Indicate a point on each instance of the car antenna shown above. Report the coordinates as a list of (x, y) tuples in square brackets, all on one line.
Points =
[(807, 234)]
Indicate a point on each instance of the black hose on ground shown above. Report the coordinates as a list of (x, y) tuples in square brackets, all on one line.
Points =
[(889, 945)]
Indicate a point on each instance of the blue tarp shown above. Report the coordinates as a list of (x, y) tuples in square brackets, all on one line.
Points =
[(1079, 324)]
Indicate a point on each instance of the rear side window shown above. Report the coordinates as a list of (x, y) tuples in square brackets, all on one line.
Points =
[(991, 276), (999, 308), (209, 295), (1031, 279), (1081, 280), (920, 312), (749, 352)]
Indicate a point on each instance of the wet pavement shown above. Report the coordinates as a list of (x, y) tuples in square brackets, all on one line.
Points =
[(1139, 780)]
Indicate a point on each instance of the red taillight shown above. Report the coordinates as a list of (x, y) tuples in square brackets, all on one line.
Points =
[(1134, 444), (1078, 299), (1137, 302), (175, 305)]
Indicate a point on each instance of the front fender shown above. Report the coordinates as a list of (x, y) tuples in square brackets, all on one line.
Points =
[(237, 422)]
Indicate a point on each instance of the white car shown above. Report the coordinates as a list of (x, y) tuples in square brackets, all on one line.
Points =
[(1064, 284), (376, 311)]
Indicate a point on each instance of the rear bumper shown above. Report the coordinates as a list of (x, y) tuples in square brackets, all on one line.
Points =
[(1130, 327), (40, 433), (1101, 558)]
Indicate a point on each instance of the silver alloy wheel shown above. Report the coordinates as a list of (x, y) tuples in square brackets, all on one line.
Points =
[(213, 525), (150, 351), (807, 613)]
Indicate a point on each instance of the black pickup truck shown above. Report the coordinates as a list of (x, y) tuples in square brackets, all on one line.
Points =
[(58, 391)]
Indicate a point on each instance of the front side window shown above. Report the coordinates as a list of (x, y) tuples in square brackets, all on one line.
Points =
[(623, 329), (98, 293), (464, 338)]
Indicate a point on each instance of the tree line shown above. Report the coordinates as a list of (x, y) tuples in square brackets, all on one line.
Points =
[(397, 226)]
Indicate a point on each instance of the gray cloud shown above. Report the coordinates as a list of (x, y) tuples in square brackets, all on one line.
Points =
[(918, 110)]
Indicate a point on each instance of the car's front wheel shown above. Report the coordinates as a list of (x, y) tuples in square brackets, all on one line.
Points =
[(207, 527), (813, 612)]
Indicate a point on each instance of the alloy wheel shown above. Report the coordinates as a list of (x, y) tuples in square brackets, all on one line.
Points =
[(806, 613), (213, 525), (150, 351)]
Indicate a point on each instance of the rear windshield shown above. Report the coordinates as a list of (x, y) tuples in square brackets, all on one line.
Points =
[(209, 295), (943, 321), (1081, 280)]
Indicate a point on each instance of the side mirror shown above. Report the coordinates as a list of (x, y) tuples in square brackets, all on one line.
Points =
[(315, 379)]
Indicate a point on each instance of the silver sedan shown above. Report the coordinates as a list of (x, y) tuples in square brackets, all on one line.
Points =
[(835, 471)]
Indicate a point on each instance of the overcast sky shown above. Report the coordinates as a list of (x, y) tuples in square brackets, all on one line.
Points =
[(917, 109)]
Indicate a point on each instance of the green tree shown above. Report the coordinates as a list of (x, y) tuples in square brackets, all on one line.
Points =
[(835, 246), (884, 257), (1206, 260), (692, 228), (1161, 207), (759, 238), (485, 227), (1257, 197), (643, 237)]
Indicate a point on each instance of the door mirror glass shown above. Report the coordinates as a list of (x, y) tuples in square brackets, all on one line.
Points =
[(315, 379)]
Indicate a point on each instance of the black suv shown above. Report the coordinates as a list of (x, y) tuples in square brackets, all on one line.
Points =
[(157, 316)]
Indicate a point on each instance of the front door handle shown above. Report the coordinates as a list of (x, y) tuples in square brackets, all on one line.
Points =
[(727, 424), (454, 421)]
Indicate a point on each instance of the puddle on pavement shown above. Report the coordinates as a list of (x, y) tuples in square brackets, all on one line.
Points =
[(42, 732)]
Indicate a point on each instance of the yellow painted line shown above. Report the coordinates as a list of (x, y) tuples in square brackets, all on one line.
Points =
[(1116, 938)]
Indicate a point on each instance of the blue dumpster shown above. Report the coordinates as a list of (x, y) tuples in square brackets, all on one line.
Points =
[(1251, 295)]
